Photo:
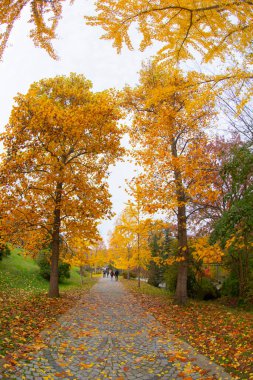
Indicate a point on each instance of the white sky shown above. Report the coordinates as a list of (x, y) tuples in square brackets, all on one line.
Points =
[(81, 51)]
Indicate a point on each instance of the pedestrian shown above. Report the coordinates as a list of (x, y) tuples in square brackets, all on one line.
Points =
[(111, 274), (116, 274), (107, 272), (104, 272)]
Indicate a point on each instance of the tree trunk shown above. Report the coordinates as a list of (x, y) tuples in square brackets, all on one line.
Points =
[(181, 288), (128, 257), (54, 275), (138, 247), (82, 274)]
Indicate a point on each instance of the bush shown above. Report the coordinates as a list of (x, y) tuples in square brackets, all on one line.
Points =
[(207, 290), (230, 286), (4, 251), (131, 275), (203, 289), (170, 277), (45, 267), (154, 274)]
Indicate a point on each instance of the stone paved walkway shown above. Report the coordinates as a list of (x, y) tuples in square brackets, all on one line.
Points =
[(108, 336)]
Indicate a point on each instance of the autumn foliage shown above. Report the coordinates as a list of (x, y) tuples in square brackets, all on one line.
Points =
[(224, 335), (59, 142), (168, 133), (44, 18)]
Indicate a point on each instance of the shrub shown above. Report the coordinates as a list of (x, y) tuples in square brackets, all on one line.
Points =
[(170, 277), (131, 275), (202, 289), (207, 290), (4, 251), (154, 274), (230, 286), (45, 267)]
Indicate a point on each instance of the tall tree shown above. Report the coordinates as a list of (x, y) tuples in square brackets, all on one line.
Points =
[(239, 122), (170, 116), (234, 228), (129, 242), (209, 212), (59, 142), (160, 246), (121, 245)]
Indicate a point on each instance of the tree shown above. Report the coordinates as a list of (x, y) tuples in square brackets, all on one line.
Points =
[(234, 228), (242, 122), (154, 270), (129, 241), (59, 142), (98, 255), (210, 29), (213, 28), (121, 245), (209, 212), (44, 18), (170, 117), (160, 246)]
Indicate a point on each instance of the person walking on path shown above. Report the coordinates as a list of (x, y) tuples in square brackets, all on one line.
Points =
[(111, 274), (116, 273)]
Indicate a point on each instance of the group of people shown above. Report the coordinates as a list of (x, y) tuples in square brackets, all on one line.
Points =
[(107, 272)]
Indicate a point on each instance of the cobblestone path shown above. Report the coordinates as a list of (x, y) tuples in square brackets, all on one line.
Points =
[(108, 336)]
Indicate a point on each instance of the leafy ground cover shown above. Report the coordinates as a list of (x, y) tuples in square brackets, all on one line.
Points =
[(220, 333), (25, 308)]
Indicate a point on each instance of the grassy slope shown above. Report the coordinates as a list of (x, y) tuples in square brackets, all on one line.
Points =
[(25, 309), (19, 272)]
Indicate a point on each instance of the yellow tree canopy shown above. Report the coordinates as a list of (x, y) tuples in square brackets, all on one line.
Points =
[(129, 243), (77, 252), (205, 252), (170, 116), (59, 142), (44, 19), (212, 27), (120, 246), (98, 256)]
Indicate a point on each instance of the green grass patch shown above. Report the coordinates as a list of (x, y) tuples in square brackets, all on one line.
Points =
[(25, 308), (145, 288), (20, 272)]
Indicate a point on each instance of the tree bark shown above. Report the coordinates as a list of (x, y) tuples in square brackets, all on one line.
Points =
[(128, 257), (82, 274), (139, 277), (181, 288), (138, 247), (54, 275)]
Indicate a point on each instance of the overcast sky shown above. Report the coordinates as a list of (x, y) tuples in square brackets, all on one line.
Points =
[(81, 51)]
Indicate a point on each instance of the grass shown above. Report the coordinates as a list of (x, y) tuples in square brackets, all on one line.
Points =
[(223, 334), (25, 308), (145, 288), (19, 272)]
